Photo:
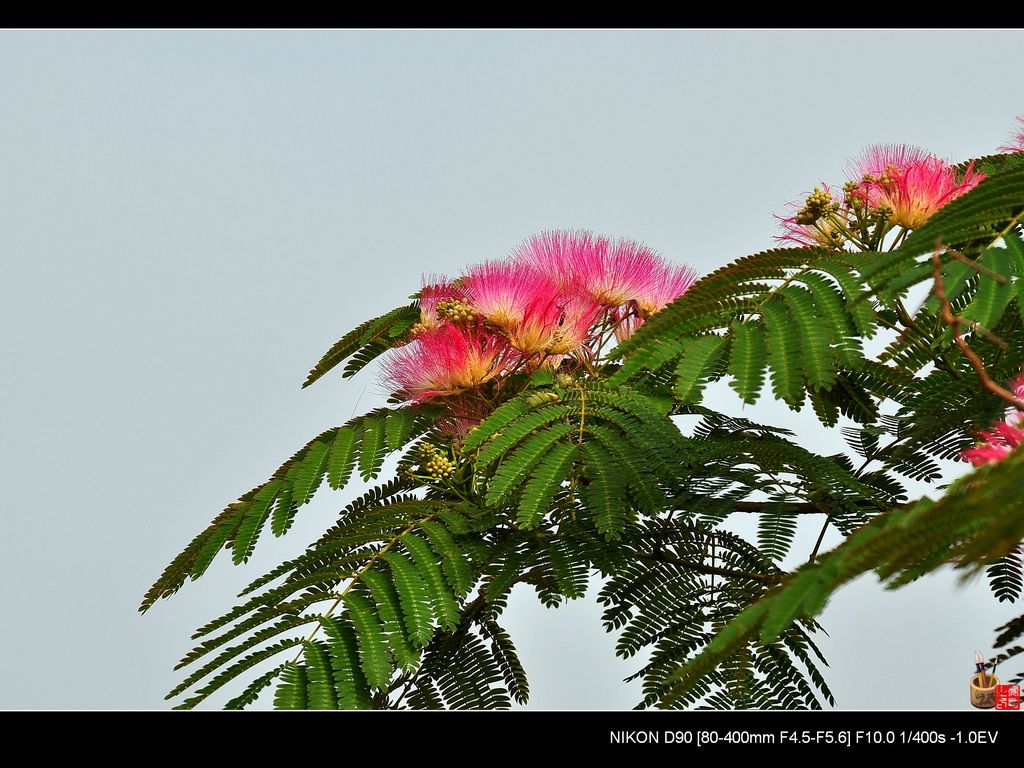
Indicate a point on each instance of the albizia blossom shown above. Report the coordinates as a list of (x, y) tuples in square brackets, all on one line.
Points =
[(555, 327), (814, 235), (436, 288), (673, 283), (997, 443), (552, 301), (538, 327), (612, 272), (556, 254), (623, 271), (912, 183), (506, 292), (627, 326), (578, 315), (803, 235), (1004, 436), (1017, 140), (446, 361)]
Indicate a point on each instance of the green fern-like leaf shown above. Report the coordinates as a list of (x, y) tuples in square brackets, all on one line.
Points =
[(373, 649), (783, 353), (374, 449), (320, 677), (254, 518), (443, 603), (494, 423), (697, 363), (1006, 576), (292, 690), (343, 457), (549, 474), (516, 468), (505, 654), (350, 685), (517, 430), (457, 568), (604, 493), (254, 689), (389, 610), (749, 358), (389, 326), (819, 363), (414, 598)]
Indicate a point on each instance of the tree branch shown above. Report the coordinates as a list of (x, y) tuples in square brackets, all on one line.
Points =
[(821, 538), (796, 507), (660, 556), (954, 323)]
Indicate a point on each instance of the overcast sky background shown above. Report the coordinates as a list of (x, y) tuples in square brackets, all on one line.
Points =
[(189, 219)]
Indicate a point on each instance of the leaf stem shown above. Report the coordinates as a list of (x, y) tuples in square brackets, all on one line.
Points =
[(355, 577)]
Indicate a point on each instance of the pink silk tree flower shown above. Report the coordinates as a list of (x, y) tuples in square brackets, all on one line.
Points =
[(505, 292), (537, 330), (556, 327), (910, 182), (623, 272), (1017, 140), (1005, 435), (997, 444), (556, 254), (627, 326), (613, 272), (446, 361), (813, 222), (579, 315), (457, 426), (673, 283), (1017, 385), (435, 289), (802, 235)]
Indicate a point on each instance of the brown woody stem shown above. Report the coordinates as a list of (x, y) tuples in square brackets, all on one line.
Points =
[(954, 323)]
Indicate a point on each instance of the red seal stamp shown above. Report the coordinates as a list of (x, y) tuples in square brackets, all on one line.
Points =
[(1007, 697)]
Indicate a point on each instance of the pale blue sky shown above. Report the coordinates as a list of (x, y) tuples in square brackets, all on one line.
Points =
[(190, 218)]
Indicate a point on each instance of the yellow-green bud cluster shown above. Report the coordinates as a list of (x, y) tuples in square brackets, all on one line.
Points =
[(434, 463), (854, 196), (888, 176), (884, 180), (819, 203), (456, 311), (564, 380), (882, 213)]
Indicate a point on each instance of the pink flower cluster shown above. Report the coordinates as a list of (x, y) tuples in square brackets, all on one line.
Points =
[(1005, 435), (892, 184), (910, 182), (555, 301), (999, 442), (1017, 140), (799, 232)]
